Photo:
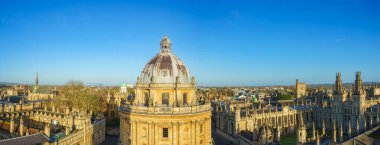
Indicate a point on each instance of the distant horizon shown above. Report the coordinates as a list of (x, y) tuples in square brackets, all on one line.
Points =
[(222, 43), (90, 84)]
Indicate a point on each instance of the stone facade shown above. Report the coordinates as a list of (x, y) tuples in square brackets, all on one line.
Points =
[(334, 118), (300, 89), (165, 109)]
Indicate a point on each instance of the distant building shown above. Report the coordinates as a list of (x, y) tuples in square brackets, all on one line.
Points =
[(123, 88), (336, 119), (300, 89)]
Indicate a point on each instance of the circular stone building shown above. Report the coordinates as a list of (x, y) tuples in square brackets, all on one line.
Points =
[(165, 109)]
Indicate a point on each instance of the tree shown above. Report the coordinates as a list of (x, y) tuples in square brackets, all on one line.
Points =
[(75, 95), (284, 97)]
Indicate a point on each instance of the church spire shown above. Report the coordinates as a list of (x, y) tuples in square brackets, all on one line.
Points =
[(165, 45), (36, 83)]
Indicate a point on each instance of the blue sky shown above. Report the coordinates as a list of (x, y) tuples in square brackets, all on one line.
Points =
[(222, 42)]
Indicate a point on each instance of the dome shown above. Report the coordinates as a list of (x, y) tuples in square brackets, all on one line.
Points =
[(165, 67)]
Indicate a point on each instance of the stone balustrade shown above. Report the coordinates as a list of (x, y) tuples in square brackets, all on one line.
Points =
[(165, 110)]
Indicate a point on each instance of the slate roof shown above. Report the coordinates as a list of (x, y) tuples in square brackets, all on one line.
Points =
[(33, 139)]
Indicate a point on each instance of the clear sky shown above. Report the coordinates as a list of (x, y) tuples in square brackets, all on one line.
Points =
[(222, 42)]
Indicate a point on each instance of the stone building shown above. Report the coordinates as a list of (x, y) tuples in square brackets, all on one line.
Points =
[(335, 118), (300, 89), (67, 127), (265, 123), (165, 109), (35, 120)]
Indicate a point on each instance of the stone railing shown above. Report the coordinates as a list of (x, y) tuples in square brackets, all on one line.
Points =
[(165, 110), (154, 85)]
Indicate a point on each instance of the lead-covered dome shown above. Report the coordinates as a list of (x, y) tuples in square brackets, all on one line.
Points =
[(165, 67)]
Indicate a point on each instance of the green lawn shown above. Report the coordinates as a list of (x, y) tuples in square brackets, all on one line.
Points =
[(290, 139)]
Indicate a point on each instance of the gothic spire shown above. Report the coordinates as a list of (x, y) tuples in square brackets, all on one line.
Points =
[(36, 83)]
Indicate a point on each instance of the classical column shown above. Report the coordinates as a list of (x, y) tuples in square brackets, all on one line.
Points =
[(209, 130), (178, 133), (174, 134), (149, 132), (132, 133), (155, 134), (137, 130), (192, 139)]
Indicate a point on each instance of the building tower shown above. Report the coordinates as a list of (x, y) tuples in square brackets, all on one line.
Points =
[(340, 96), (36, 84), (300, 89), (165, 109), (338, 83), (359, 101), (301, 131)]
